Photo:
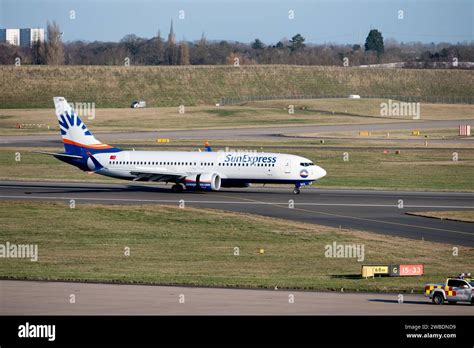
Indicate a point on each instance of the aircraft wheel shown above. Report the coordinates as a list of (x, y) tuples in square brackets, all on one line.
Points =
[(177, 188), (296, 191)]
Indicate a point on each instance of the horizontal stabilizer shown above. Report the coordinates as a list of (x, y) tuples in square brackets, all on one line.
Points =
[(58, 154)]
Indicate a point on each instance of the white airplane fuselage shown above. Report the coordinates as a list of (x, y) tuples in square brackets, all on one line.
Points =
[(232, 167)]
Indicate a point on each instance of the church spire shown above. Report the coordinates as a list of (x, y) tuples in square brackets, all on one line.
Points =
[(171, 36)]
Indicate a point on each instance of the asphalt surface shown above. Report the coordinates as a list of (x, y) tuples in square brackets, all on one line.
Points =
[(376, 211), (259, 133), (53, 298)]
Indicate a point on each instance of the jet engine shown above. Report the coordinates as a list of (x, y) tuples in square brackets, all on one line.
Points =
[(207, 182)]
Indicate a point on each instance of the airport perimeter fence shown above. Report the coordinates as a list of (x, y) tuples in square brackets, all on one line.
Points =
[(407, 99)]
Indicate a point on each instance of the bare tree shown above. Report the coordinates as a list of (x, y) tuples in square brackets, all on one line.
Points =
[(183, 53), (52, 51), (201, 54)]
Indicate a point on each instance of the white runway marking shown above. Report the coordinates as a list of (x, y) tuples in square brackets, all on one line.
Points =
[(238, 202)]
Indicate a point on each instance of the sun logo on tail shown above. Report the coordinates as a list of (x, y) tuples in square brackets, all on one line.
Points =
[(67, 121)]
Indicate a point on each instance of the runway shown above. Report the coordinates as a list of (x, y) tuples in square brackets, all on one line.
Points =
[(246, 133), (53, 298), (376, 211)]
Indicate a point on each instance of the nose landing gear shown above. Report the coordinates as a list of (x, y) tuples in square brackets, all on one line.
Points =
[(296, 190)]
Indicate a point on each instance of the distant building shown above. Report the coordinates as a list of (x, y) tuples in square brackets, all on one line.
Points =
[(13, 37), (29, 36), (171, 36), (22, 37)]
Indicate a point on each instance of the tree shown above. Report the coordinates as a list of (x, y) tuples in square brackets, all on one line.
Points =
[(155, 51), (297, 43), (258, 45), (171, 53), (280, 45), (202, 51), (183, 53), (52, 51), (132, 43), (374, 42), (36, 57)]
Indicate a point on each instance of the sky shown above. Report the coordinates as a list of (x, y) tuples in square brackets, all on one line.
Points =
[(336, 21)]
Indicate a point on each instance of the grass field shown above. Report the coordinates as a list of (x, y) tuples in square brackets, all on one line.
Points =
[(117, 86), (151, 119), (412, 169), (321, 111), (187, 246), (368, 108), (461, 215)]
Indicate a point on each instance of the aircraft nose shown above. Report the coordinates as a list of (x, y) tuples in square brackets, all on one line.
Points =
[(320, 173)]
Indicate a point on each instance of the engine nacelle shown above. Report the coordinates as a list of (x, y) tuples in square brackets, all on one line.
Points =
[(207, 182)]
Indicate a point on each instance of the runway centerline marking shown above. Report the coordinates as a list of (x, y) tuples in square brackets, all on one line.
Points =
[(237, 202)]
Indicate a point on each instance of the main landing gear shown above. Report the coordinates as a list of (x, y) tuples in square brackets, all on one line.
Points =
[(177, 188), (296, 190)]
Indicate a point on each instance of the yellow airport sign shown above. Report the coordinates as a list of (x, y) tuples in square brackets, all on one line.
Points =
[(371, 270)]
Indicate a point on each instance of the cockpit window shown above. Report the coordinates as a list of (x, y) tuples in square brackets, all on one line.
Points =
[(307, 164)]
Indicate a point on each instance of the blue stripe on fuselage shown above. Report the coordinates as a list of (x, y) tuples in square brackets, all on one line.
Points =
[(266, 181)]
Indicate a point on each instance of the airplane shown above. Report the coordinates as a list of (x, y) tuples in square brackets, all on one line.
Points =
[(190, 170)]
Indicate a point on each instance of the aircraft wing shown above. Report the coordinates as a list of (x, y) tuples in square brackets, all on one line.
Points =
[(156, 175)]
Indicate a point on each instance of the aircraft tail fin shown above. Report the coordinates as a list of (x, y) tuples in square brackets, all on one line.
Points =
[(76, 136)]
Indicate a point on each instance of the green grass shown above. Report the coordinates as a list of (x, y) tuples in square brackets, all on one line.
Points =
[(117, 86), (152, 119), (188, 246), (271, 113), (456, 215), (412, 169), (224, 112)]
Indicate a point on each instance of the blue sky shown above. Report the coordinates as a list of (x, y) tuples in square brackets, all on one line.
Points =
[(339, 21)]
